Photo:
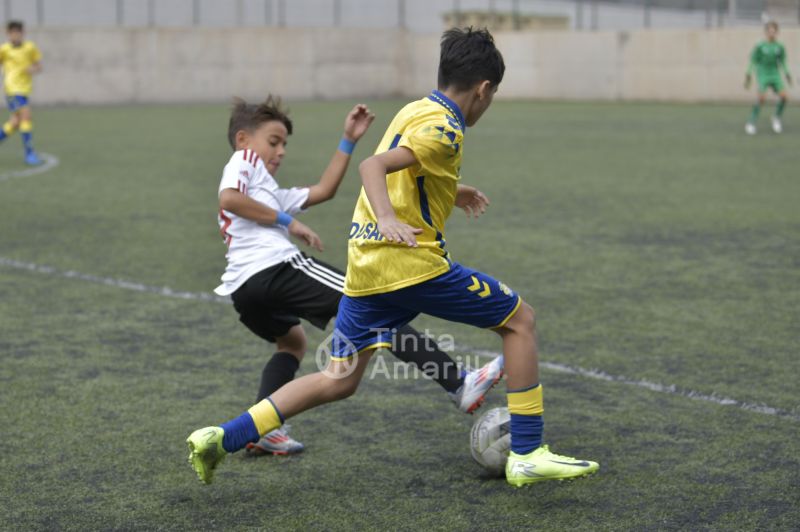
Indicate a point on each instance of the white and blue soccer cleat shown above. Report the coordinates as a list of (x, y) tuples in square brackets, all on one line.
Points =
[(477, 384), (777, 126), (276, 442)]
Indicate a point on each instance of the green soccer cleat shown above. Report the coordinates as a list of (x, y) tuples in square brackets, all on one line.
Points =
[(541, 464), (206, 452)]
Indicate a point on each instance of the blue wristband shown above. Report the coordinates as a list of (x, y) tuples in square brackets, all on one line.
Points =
[(283, 219), (346, 146)]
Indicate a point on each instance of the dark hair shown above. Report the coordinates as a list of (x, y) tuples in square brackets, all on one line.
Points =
[(248, 116), (771, 23), (15, 25), (468, 57)]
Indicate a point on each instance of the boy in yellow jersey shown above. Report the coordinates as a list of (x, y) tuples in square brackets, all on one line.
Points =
[(20, 59), (398, 268)]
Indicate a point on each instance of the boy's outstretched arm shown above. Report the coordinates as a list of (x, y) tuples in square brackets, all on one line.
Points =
[(373, 176), (242, 205), (355, 125)]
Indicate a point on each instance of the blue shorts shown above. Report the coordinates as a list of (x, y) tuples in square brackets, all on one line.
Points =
[(16, 102), (462, 295)]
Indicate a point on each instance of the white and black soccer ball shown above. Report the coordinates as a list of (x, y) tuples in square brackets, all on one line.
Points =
[(490, 440)]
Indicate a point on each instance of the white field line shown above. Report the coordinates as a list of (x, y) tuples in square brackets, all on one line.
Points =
[(50, 162), (108, 281), (649, 385), (596, 374)]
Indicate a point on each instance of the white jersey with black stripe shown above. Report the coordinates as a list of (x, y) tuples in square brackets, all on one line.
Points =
[(252, 247)]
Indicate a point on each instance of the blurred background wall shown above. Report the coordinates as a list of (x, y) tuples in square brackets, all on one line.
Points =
[(116, 51), (421, 16)]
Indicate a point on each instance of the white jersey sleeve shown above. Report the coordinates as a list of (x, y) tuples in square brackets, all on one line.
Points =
[(239, 171), (292, 199)]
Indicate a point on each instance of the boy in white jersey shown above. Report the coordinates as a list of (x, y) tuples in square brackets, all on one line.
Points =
[(273, 284)]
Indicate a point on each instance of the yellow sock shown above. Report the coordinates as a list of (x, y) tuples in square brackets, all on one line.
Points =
[(527, 424), (526, 402), (265, 416), (26, 126), (9, 128)]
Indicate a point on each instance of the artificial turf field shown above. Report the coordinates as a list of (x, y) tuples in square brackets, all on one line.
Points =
[(657, 243)]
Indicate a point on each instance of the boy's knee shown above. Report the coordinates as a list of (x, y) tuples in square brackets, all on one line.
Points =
[(348, 388), (294, 343), (524, 320), (528, 316), (342, 388)]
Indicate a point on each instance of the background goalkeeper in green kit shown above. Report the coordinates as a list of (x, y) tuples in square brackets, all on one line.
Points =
[(767, 59)]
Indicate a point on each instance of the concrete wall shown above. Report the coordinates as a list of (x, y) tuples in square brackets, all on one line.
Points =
[(418, 16), (190, 65), (668, 65), (141, 65)]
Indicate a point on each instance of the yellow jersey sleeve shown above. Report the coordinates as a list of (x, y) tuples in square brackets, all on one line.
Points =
[(436, 145)]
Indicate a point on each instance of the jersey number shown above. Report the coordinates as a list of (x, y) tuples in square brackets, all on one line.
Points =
[(223, 228)]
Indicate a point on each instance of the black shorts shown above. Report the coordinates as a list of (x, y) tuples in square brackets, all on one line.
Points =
[(272, 301)]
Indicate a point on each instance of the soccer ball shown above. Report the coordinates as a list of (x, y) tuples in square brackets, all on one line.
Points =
[(490, 440)]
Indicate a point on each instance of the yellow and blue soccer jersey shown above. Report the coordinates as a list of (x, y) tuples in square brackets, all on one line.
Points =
[(16, 60), (422, 195), (388, 284)]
